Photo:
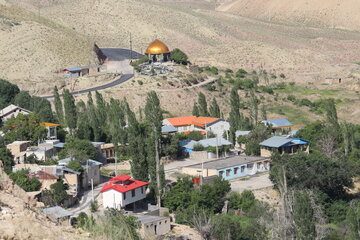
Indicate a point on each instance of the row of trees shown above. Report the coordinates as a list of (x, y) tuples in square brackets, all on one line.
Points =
[(115, 122)]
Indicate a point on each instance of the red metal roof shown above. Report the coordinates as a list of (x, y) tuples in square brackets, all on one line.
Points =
[(191, 120), (124, 185), (122, 178)]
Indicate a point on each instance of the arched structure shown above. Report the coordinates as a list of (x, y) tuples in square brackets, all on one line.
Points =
[(156, 49)]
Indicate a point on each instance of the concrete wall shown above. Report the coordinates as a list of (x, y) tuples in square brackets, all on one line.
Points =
[(197, 171), (265, 152), (219, 128), (154, 228), (244, 170), (115, 199), (92, 172)]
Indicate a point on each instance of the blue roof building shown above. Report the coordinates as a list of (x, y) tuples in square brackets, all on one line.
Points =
[(283, 145), (278, 123)]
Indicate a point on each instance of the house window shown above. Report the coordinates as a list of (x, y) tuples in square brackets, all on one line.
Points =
[(221, 173), (124, 195), (228, 172), (242, 169), (133, 193), (236, 170)]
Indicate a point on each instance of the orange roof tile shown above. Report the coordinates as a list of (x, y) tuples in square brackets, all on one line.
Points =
[(191, 120)]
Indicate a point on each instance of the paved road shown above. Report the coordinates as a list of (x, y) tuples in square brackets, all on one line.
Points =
[(86, 199), (118, 61)]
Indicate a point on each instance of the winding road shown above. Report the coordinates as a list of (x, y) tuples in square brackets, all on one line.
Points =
[(118, 62)]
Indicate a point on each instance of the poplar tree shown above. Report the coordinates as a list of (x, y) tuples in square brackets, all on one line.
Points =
[(93, 118), (203, 111), (84, 130), (263, 112), (234, 116), (58, 106), (215, 109), (254, 108), (101, 115), (70, 110), (153, 118), (195, 111), (304, 216), (137, 148)]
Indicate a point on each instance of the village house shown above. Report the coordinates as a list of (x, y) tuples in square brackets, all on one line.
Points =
[(83, 71), (282, 126), (18, 150), (12, 111), (69, 176), (91, 173), (188, 145), (204, 125), (45, 178), (153, 225), (122, 190), (58, 215), (283, 145), (229, 168), (108, 150)]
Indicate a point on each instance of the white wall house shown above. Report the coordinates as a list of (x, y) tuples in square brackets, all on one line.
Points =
[(12, 111), (218, 126), (121, 191)]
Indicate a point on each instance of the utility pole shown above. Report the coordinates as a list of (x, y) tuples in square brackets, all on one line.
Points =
[(217, 148), (92, 189), (131, 47)]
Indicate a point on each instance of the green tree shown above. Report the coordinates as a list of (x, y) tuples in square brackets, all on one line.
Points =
[(153, 118), (84, 129), (353, 219), (8, 91), (179, 56), (331, 113), (257, 135), (215, 109), (195, 135), (263, 112), (56, 195), (21, 179), (137, 148), (23, 99), (75, 165), (244, 201), (70, 110), (24, 128), (94, 206), (254, 107), (234, 116), (304, 216), (79, 150), (302, 172), (7, 160), (58, 106), (101, 115), (42, 108), (203, 111), (195, 111)]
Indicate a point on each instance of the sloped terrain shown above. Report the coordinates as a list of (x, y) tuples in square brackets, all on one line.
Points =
[(19, 219), (318, 13), (33, 49)]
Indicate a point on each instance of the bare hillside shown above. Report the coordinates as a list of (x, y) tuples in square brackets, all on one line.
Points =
[(33, 48), (328, 13)]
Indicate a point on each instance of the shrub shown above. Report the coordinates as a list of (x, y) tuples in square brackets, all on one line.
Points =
[(94, 206), (198, 147), (291, 98), (273, 76), (211, 87), (229, 70), (140, 82), (21, 179), (179, 56), (241, 73), (282, 75)]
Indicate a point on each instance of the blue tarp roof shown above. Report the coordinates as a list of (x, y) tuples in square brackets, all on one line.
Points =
[(278, 122), (280, 141), (88, 162)]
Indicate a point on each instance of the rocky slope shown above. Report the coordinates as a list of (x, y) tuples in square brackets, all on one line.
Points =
[(20, 219)]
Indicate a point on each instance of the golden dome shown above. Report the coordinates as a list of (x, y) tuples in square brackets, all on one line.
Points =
[(157, 47)]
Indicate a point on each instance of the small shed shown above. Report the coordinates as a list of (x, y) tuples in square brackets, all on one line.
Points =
[(153, 225), (57, 214)]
